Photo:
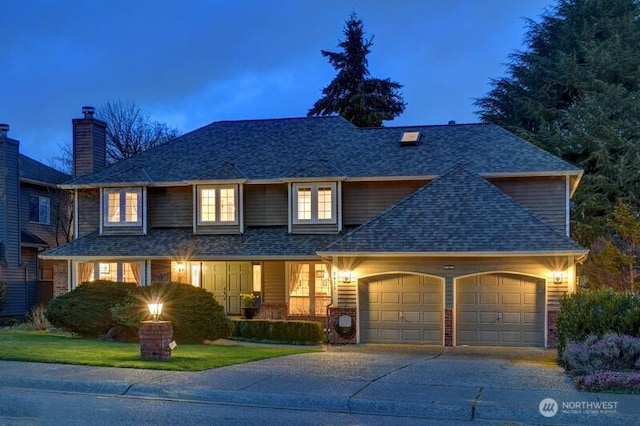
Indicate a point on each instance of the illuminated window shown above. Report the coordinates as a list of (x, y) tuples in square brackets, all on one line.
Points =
[(309, 289), (122, 206), (217, 205), (314, 203), (128, 272)]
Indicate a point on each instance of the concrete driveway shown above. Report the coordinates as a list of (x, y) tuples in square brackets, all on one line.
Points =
[(458, 384)]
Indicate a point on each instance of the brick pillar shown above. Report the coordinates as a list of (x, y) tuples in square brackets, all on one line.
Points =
[(155, 337), (552, 328), (60, 279), (334, 333), (448, 327)]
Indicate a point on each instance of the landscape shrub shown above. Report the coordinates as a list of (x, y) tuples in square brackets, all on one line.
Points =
[(611, 352), (92, 309), (194, 313), (597, 312), (86, 310), (300, 332), (609, 381)]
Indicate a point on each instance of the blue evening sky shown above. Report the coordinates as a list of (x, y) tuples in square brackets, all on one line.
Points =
[(191, 62)]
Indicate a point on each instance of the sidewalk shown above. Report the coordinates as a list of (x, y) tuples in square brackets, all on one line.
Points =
[(481, 384)]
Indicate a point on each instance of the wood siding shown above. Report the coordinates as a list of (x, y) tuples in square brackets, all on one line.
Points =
[(59, 205), (544, 196), (89, 146), (274, 282), (265, 205), (363, 200), (170, 207), (316, 228), (217, 229), (88, 211)]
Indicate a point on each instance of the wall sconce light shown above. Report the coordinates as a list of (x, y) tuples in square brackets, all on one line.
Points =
[(180, 267), (557, 277), (155, 309), (347, 276)]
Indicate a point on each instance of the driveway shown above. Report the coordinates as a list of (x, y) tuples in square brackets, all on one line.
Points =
[(430, 382)]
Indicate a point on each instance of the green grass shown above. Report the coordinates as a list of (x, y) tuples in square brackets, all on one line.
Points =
[(62, 348)]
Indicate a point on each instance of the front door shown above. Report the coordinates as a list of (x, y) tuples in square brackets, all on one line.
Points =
[(226, 281)]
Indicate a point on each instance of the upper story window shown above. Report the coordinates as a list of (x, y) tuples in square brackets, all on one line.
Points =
[(39, 209), (217, 205), (123, 206), (314, 203)]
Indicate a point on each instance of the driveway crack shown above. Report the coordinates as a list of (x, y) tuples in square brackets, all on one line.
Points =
[(353, 395), (474, 405)]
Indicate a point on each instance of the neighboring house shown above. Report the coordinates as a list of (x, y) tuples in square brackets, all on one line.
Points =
[(451, 234), (34, 215)]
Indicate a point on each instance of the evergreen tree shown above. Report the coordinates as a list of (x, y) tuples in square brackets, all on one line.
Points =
[(363, 100), (575, 91)]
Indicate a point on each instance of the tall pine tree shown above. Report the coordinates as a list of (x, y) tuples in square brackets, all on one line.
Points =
[(363, 100), (575, 91)]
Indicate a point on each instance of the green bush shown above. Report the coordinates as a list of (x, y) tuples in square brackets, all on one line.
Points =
[(93, 308), (194, 313), (86, 310), (611, 352), (301, 332), (597, 312)]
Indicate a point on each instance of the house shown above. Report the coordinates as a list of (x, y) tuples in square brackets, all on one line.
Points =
[(35, 216), (449, 235)]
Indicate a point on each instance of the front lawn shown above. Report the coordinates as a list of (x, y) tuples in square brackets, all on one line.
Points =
[(64, 349)]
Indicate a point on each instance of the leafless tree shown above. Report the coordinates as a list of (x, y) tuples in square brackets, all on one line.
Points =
[(130, 130)]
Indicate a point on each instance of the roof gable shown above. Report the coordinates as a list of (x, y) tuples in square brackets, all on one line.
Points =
[(459, 212), (35, 171)]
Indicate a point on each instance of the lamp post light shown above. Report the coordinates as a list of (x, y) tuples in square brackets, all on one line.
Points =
[(155, 309)]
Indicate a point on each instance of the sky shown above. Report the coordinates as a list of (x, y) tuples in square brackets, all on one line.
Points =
[(188, 63)]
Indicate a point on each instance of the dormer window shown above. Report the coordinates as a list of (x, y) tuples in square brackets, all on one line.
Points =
[(217, 205), (122, 206), (314, 203)]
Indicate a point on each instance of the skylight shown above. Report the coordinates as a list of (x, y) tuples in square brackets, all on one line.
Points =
[(410, 138)]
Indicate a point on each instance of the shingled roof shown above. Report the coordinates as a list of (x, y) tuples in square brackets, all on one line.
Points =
[(459, 212), (255, 243), (35, 171), (285, 148)]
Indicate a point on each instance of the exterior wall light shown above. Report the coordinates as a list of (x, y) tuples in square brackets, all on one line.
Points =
[(180, 267), (557, 277), (347, 276), (155, 309)]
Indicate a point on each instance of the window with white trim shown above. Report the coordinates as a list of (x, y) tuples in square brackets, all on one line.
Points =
[(128, 272), (122, 206), (309, 289), (217, 205), (314, 202), (39, 209)]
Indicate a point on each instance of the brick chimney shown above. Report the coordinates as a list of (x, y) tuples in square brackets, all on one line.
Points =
[(9, 199), (89, 143)]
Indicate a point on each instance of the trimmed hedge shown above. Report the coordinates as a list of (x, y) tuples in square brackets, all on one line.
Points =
[(86, 310), (92, 309), (300, 332), (597, 312)]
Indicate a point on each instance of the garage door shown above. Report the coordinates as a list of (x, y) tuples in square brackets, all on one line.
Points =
[(401, 309), (500, 309)]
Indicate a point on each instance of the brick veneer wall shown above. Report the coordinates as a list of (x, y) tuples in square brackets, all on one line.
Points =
[(60, 278), (334, 314), (448, 327), (552, 328), (273, 311), (155, 337)]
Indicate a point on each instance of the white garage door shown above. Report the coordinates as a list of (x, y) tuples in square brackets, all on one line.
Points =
[(401, 309), (500, 309)]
